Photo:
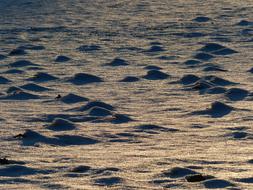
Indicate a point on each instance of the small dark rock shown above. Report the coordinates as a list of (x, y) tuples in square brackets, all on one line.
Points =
[(58, 97), (4, 161), (20, 136), (81, 169), (196, 178)]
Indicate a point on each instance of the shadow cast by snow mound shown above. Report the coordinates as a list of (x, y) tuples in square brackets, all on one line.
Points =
[(153, 129), (84, 170), (70, 117)]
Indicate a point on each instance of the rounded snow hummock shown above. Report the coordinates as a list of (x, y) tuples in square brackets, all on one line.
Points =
[(217, 49), (22, 63), (4, 80), (34, 87), (72, 98), (88, 48), (152, 67), (218, 81), (19, 95), (42, 77), (203, 56), (108, 181), (2, 57), (201, 19), (217, 184), (200, 85), (178, 172), (32, 47), (17, 52), (118, 62), (62, 58), (192, 62), (189, 79), (155, 75), (60, 124), (153, 129), (155, 48), (245, 23), (212, 47), (19, 171), (81, 169), (211, 68), (83, 78), (99, 112), (250, 70), (14, 71), (13, 89), (236, 94), (93, 104), (130, 79), (218, 109)]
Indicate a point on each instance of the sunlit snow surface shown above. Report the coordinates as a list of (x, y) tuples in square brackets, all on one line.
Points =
[(126, 94)]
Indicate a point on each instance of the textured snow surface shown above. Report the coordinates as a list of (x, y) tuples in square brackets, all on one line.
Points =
[(126, 94)]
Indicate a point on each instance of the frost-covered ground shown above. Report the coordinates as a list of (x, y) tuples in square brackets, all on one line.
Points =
[(126, 94)]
